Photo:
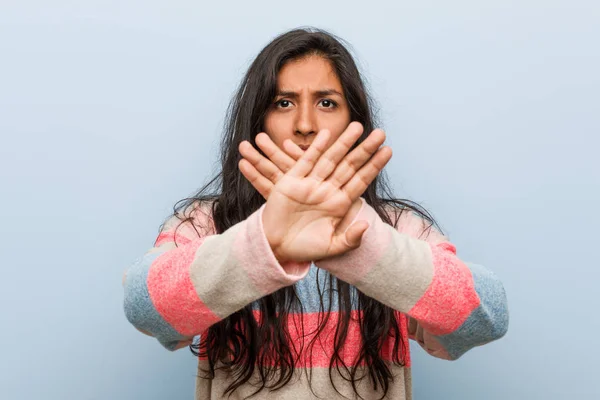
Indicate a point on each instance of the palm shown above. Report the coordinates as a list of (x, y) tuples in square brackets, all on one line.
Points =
[(309, 212)]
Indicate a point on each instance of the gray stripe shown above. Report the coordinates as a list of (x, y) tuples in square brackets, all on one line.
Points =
[(138, 306), (487, 323), (318, 280)]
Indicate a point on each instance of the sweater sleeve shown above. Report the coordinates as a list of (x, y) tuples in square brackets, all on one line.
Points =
[(451, 306), (192, 279)]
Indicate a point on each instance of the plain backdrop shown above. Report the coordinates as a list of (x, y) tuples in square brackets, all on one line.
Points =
[(111, 111)]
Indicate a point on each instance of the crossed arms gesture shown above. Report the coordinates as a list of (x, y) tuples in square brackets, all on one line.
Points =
[(313, 196)]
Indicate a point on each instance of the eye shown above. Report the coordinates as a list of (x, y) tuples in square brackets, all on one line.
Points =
[(328, 103), (283, 103)]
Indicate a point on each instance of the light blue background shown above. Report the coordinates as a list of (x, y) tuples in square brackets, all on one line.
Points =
[(111, 111)]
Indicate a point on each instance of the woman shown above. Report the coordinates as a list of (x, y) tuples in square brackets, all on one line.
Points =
[(301, 274)]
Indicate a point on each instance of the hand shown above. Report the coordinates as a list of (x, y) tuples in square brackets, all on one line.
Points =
[(278, 163), (308, 199)]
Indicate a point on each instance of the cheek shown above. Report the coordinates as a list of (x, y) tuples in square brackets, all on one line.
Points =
[(338, 125), (275, 127)]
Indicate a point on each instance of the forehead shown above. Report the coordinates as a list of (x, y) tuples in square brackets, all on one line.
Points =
[(313, 72)]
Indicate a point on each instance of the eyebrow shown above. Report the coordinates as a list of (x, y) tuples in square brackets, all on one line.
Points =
[(318, 93)]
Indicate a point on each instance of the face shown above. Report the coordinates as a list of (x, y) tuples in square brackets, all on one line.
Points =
[(309, 98)]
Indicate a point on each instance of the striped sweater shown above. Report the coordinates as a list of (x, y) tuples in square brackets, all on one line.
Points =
[(448, 306)]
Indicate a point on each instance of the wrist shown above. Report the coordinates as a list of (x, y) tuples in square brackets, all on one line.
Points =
[(266, 223)]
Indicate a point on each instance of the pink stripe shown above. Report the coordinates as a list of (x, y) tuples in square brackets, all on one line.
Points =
[(171, 236), (450, 297), (319, 354), (303, 330), (173, 294), (403, 322)]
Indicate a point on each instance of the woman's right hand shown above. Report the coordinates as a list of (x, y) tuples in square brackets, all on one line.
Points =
[(306, 205)]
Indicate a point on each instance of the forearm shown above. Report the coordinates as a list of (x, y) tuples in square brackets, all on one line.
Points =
[(178, 293), (460, 305)]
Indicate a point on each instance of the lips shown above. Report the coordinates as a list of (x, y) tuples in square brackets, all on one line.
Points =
[(304, 146)]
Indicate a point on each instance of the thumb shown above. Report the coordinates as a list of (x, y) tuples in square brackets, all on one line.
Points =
[(355, 232)]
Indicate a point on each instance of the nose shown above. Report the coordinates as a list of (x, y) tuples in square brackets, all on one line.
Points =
[(305, 123)]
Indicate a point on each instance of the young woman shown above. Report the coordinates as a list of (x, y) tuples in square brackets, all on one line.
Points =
[(301, 274)]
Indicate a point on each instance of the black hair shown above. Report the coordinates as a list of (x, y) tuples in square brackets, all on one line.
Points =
[(233, 343)]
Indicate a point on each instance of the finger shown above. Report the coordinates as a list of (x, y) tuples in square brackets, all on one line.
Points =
[(310, 157), (412, 327), (355, 160), (263, 165), (292, 149), (349, 240), (361, 180), (355, 232), (338, 150), (419, 335), (277, 156), (260, 183), (183, 343)]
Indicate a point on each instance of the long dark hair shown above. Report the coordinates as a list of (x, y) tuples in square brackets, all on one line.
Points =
[(240, 343)]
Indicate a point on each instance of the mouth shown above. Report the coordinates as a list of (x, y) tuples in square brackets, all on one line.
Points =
[(304, 146)]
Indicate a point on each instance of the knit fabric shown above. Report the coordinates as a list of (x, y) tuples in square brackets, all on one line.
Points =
[(176, 292)]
